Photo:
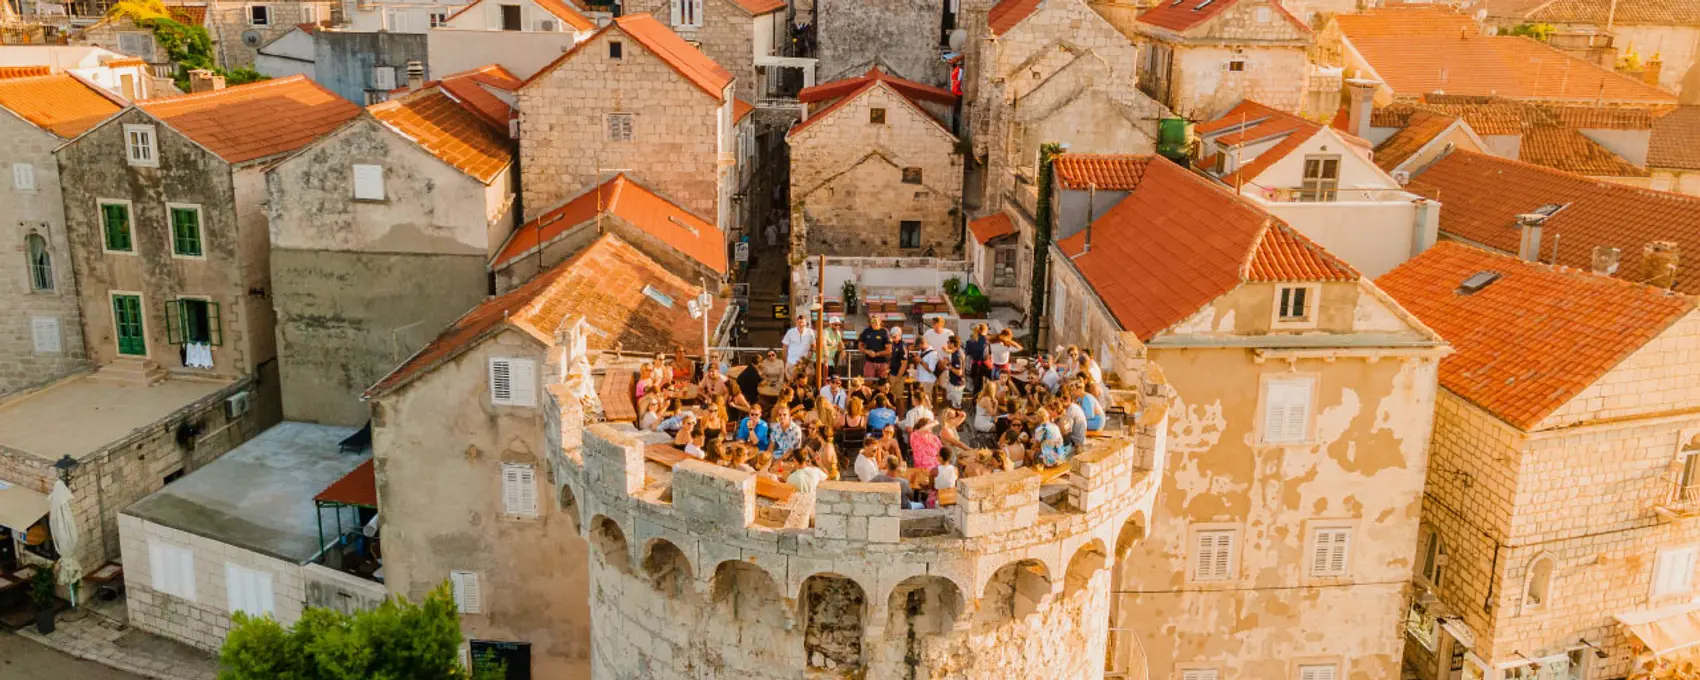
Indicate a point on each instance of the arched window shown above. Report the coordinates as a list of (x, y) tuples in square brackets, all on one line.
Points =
[(40, 262), (1539, 588)]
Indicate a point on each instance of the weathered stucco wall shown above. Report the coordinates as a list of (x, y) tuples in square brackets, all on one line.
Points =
[(229, 21), (901, 35), (726, 36), (1203, 88), (38, 212), (343, 61)]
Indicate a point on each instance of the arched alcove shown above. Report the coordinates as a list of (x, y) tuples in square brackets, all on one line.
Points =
[(667, 568), (569, 507), (1014, 591), (610, 540), (928, 605), (834, 609), (1086, 563)]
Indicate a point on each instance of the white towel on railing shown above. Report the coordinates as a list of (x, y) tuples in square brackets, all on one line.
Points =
[(198, 355)]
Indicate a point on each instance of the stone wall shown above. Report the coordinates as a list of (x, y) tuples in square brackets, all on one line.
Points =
[(327, 588), (37, 212), (726, 36), (204, 620), (227, 22), (1202, 88), (900, 35)]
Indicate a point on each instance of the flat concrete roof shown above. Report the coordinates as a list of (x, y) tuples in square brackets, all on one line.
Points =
[(79, 415), (259, 496)]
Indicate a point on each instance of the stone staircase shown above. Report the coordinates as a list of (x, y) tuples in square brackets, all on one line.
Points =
[(127, 370)]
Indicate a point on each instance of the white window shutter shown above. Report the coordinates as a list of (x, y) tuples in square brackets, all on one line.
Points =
[(45, 332), (1286, 410), (513, 382), (467, 592), (1213, 555), (172, 570), (1199, 674), (383, 78), (1332, 546), (160, 567), (501, 382), (185, 573), (369, 182), (528, 492), (1224, 551), (23, 176), (1318, 672), (249, 590), (676, 18)]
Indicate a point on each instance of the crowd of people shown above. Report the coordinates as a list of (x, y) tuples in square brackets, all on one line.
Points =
[(923, 412)]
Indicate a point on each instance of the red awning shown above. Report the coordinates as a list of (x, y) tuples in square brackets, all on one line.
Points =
[(359, 487)]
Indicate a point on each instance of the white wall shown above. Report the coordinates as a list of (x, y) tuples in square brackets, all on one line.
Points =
[(289, 55), (522, 53), (1374, 237), (204, 620)]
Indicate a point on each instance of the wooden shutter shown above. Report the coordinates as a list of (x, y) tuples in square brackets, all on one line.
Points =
[(1674, 572), (528, 491), (1317, 672), (1213, 551), (215, 325), (172, 570), (1286, 410), (1328, 556), (174, 322), (501, 382), (519, 491), (513, 382), (467, 592), (676, 12), (1199, 674), (249, 590)]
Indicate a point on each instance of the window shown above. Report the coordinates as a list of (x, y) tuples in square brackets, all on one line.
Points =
[(186, 230), (1673, 572), (439, 19), (1059, 301), (172, 570), (513, 382), (1316, 672), (876, 115), (368, 182), (309, 14), (1236, 66), (115, 218), (619, 127), (1330, 549), (259, 15), (511, 18), (1322, 178), (1422, 625), (911, 175), (136, 44), (687, 13), (193, 321), (1688, 462), (1431, 555), (1286, 409), (909, 234), (1537, 589), (1003, 266), (40, 263), (127, 86), (140, 145), (616, 49), (519, 490), (1295, 304), (655, 294), (44, 330), (469, 598), (1200, 674), (127, 323), (1213, 555), (383, 78), (23, 177), (1263, 15), (249, 590)]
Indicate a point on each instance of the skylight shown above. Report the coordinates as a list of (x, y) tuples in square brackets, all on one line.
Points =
[(1476, 282), (658, 296)]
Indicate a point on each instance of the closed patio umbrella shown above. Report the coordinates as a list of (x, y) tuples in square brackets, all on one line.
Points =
[(65, 539)]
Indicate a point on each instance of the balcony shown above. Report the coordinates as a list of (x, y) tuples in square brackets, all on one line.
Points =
[(1680, 500), (781, 78)]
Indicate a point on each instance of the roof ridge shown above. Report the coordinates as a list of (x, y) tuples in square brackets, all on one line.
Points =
[(1256, 247), (256, 85)]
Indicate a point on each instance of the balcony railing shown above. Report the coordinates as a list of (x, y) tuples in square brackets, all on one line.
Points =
[(1680, 499), (781, 78)]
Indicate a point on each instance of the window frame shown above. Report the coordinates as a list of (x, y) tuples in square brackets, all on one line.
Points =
[(1235, 65), (101, 205), (1195, 671), (876, 115), (264, 605), (146, 36), (502, 17), (42, 278), (36, 322), (24, 179), (521, 393), (141, 320), (1687, 461), (519, 491), (612, 135), (150, 135), (254, 19), (1341, 539), (1431, 556), (354, 176), (1301, 668), (903, 230), (1014, 277), (178, 310), (1267, 381), (171, 210), (686, 14), (1693, 553), (1312, 301), (912, 175), (1230, 570), (1320, 188), (459, 581), (163, 556), (616, 50), (1525, 604)]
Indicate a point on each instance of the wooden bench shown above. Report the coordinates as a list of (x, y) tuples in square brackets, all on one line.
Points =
[(670, 456), (616, 391)]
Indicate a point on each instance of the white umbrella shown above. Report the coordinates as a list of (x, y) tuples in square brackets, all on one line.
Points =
[(64, 526)]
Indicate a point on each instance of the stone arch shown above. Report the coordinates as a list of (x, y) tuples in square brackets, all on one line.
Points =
[(1015, 590), (926, 604), (833, 609), (1538, 581), (1086, 563), (569, 506), (667, 568), (610, 540), (1132, 532), (748, 593)]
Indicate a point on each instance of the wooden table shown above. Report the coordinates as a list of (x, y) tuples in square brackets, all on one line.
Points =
[(670, 456)]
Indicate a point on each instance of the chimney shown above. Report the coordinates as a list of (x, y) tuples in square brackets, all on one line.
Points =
[(1605, 260), (415, 75), (1650, 70), (1362, 103), (203, 80), (1530, 247), (1659, 261)]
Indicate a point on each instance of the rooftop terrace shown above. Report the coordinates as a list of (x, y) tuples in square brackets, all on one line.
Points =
[(81, 415)]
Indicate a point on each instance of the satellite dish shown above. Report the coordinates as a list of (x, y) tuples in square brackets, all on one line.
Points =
[(1481, 14), (251, 38), (958, 38)]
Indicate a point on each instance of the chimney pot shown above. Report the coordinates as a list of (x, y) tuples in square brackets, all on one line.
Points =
[(1659, 262), (1529, 248), (1361, 105), (415, 75)]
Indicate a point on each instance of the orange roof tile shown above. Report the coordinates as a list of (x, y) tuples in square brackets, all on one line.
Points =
[(1414, 60), (605, 283), (1621, 12), (24, 71), (1251, 122), (472, 88), (621, 197), (741, 109), (665, 45), (1676, 140), (990, 227), (568, 14), (188, 15), (1533, 339), (1397, 22), (759, 7), (1008, 14), (61, 104), (1483, 195), (1094, 171), (1179, 241), (1421, 129), (1184, 15), (448, 130), (257, 120), (1566, 149), (836, 94)]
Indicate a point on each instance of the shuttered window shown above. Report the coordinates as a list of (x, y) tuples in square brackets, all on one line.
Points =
[(1330, 549), (172, 570), (1213, 555), (687, 13), (23, 177), (249, 590), (513, 382), (368, 182), (115, 218), (1200, 674), (1286, 409), (519, 490), (469, 596), (1673, 573), (186, 230), (1316, 672)]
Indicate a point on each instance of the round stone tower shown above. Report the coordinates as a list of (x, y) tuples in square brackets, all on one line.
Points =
[(701, 572)]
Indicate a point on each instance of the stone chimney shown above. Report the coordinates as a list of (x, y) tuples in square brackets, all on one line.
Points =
[(1659, 262), (415, 75), (1529, 248), (1360, 106), (1650, 70), (203, 80), (1606, 259)]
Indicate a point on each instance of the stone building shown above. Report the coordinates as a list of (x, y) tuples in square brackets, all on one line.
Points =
[(41, 335), (164, 207), (1283, 542), (1558, 535), (733, 33), (1201, 57), (121, 34), (381, 232), (522, 36), (905, 38), (458, 433), (636, 98), (697, 566), (875, 170), (123, 75), (239, 29)]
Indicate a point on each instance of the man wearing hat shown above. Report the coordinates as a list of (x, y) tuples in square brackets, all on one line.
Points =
[(833, 341)]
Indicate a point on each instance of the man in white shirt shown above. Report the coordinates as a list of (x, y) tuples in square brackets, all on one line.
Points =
[(799, 342), (806, 478), (927, 368), (1094, 371), (937, 335), (1051, 379), (866, 468), (833, 393)]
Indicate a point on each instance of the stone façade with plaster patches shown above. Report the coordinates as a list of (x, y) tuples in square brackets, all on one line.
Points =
[(41, 336), (1189, 71)]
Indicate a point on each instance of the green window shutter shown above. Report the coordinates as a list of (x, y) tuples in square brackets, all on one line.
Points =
[(117, 218), (215, 325), (186, 231), (174, 322)]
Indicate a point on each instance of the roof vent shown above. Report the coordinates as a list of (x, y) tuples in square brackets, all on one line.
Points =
[(1477, 282)]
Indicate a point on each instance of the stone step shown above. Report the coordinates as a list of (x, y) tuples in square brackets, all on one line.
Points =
[(135, 371)]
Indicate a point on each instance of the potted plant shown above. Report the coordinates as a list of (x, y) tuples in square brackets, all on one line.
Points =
[(850, 299), (41, 596)]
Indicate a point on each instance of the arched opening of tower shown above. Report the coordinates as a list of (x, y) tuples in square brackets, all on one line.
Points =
[(1088, 561), (748, 597), (667, 569), (833, 608), (1015, 591), (569, 507), (610, 541)]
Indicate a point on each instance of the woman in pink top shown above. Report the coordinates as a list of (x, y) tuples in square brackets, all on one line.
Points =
[(924, 445)]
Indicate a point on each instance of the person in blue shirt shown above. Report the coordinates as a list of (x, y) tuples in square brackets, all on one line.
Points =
[(1093, 408), (752, 429), (882, 415)]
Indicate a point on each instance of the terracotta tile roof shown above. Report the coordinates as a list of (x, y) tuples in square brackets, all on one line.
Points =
[(1483, 195), (1421, 128), (473, 87), (257, 120), (24, 71), (605, 283), (665, 45), (1183, 15), (448, 130), (1534, 338), (1398, 22), (358, 487), (1600, 117), (567, 13), (759, 7), (1566, 149), (61, 104), (123, 61), (1179, 241), (188, 15), (1008, 14), (1550, 132), (990, 227), (1676, 140), (1111, 173), (1262, 123), (836, 94), (1413, 60), (677, 227), (741, 109), (1654, 12)]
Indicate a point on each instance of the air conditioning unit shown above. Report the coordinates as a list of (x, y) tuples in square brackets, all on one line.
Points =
[(1403, 177), (236, 405), (547, 26)]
